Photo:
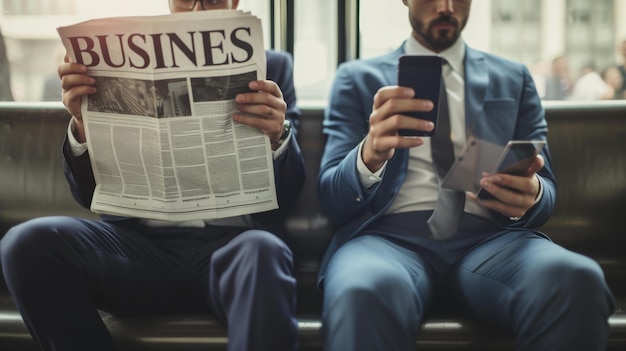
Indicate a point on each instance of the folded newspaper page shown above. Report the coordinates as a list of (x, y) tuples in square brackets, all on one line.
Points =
[(159, 130)]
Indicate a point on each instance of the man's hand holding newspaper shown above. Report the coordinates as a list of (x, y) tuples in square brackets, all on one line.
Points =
[(159, 127)]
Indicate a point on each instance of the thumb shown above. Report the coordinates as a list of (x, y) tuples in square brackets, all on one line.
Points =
[(536, 165)]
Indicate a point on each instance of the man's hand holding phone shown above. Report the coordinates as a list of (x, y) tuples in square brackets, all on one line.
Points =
[(409, 109), (512, 195), (387, 118)]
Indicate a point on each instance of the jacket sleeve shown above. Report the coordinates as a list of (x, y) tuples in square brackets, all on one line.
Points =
[(79, 175), (532, 125), (289, 169), (345, 125)]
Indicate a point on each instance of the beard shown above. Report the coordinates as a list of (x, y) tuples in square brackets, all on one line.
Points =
[(438, 39)]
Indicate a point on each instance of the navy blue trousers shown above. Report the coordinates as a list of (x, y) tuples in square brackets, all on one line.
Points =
[(62, 270), (380, 285)]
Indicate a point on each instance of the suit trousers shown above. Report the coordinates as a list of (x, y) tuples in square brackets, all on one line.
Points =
[(380, 286), (62, 270)]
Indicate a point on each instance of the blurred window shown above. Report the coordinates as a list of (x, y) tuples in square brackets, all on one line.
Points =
[(38, 7), (589, 36), (586, 32), (315, 50)]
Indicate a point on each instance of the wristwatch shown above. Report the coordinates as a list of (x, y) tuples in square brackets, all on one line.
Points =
[(286, 132)]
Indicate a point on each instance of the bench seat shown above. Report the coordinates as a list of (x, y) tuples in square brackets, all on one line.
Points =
[(587, 142)]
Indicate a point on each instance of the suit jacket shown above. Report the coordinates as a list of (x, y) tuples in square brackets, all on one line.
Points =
[(501, 104), (289, 172)]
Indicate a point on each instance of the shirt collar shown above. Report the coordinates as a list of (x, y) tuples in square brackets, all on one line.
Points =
[(454, 55)]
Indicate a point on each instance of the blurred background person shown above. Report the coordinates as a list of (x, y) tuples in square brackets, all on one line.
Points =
[(622, 69), (52, 84), (590, 85), (613, 77), (559, 83)]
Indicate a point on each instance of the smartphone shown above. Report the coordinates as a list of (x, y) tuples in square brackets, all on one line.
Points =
[(515, 160), (422, 73)]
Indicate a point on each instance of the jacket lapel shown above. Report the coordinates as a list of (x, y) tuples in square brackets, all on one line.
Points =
[(390, 66), (476, 82)]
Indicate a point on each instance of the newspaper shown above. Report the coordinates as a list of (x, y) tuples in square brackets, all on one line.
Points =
[(159, 130)]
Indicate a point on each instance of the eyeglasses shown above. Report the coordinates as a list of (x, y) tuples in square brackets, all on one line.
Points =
[(188, 5)]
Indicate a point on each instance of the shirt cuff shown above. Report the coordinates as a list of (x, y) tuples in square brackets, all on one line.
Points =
[(76, 148), (367, 178), (281, 149)]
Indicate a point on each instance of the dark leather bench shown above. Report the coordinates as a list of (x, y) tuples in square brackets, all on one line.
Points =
[(587, 141)]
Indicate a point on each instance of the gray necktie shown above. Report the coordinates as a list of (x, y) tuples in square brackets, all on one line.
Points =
[(444, 222)]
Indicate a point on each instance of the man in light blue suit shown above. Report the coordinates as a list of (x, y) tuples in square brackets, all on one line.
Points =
[(384, 268)]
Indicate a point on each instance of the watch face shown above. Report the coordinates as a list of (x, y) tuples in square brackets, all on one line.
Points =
[(286, 131)]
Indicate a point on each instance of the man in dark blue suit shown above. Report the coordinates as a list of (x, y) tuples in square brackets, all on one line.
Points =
[(62, 270), (386, 265)]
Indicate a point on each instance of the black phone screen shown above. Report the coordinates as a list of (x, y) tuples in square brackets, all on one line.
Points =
[(422, 73), (517, 159)]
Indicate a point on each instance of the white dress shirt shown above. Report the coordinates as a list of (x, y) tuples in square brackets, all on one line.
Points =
[(420, 189)]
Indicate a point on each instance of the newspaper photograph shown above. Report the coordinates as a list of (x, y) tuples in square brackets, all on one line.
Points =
[(159, 130)]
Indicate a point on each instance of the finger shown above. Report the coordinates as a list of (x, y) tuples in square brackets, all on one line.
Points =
[(384, 143), (71, 68), (395, 106), (266, 86), (412, 123), (270, 127), (499, 204), (402, 99), (389, 92), (263, 124), (264, 109), (520, 184), (393, 124), (75, 81), (516, 192), (77, 92), (73, 74), (266, 103), (265, 92), (536, 165), (72, 98)]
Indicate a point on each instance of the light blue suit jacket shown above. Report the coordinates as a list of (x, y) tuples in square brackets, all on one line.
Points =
[(501, 104)]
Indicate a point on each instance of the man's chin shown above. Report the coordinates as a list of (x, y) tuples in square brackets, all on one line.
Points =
[(442, 43), (444, 34)]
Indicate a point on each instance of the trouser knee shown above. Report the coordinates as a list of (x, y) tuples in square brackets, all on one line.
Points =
[(258, 249), (22, 244), (31, 250)]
